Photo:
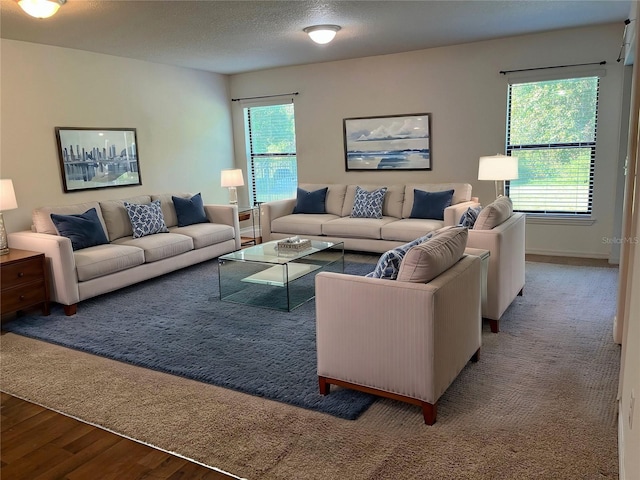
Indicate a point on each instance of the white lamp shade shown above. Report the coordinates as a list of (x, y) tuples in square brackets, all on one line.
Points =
[(498, 167), (322, 34), (231, 177), (7, 195), (41, 8)]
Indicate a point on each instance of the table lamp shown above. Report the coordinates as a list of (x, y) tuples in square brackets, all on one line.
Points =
[(7, 202), (232, 178), (498, 168)]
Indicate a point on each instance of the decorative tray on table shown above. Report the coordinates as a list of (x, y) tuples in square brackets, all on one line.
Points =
[(293, 245)]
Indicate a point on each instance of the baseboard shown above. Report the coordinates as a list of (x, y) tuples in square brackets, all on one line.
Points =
[(563, 253), (621, 475)]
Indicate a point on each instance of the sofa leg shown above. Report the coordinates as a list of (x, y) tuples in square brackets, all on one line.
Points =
[(324, 386), (521, 292), (495, 325), (429, 413), (476, 356), (70, 309)]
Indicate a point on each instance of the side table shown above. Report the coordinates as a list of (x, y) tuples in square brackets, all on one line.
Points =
[(484, 258), (24, 281), (249, 213)]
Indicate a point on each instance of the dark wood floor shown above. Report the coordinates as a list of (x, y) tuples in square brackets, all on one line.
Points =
[(38, 444)]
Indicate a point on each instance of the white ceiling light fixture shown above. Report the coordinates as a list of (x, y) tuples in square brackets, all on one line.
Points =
[(322, 33), (41, 8)]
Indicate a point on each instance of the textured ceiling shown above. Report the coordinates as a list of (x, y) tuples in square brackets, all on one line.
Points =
[(240, 36)]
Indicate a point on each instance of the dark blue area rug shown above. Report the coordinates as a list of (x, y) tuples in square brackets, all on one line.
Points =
[(178, 325)]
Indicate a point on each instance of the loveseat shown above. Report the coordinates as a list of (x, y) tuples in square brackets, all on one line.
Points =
[(406, 339), (122, 254), (395, 227)]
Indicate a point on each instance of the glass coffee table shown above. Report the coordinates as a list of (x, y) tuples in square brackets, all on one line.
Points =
[(266, 276)]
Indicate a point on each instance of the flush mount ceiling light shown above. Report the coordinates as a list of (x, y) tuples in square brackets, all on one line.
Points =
[(322, 33), (41, 8)]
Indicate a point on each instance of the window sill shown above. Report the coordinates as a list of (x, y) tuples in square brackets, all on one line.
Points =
[(537, 219)]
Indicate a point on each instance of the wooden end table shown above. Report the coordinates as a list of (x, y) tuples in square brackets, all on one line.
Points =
[(24, 280)]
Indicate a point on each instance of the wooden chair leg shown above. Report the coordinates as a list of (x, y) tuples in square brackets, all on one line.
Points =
[(495, 325), (429, 413), (324, 386), (70, 309), (476, 356)]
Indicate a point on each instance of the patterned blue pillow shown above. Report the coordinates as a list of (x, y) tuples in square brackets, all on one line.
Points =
[(468, 218), (368, 204), (146, 219), (388, 265)]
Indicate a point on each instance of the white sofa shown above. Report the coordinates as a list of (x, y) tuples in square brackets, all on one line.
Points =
[(88, 272), (406, 339), (395, 228)]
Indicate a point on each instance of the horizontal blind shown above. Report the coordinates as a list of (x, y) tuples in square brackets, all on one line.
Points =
[(272, 152), (552, 130)]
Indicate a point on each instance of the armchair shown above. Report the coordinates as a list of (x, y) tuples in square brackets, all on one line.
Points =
[(397, 339)]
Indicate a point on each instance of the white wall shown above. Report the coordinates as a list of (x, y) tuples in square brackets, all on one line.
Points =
[(182, 119), (463, 90)]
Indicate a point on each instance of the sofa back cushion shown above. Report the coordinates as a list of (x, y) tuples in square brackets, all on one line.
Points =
[(41, 217), (424, 262), (335, 195), (168, 208), (494, 214), (116, 217), (461, 193), (391, 205)]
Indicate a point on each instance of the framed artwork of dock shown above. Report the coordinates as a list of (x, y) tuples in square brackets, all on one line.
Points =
[(92, 158), (394, 142)]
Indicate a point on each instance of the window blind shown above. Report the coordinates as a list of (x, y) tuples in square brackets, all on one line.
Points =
[(551, 128)]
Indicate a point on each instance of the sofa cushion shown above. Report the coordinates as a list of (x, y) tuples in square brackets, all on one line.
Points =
[(84, 230), (310, 224), (424, 262), (168, 208), (41, 217), (407, 229), (356, 227), (335, 196), (368, 204), (205, 234), (430, 205), (116, 218), (311, 202), (468, 218), (159, 247), (190, 210), (98, 261), (391, 205), (461, 193), (146, 219), (388, 265), (494, 214)]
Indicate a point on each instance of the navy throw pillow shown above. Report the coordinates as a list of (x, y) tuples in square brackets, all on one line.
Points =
[(190, 210), (430, 205), (84, 230), (311, 202)]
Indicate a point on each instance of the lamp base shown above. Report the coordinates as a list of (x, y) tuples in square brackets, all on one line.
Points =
[(233, 195), (4, 246), (500, 189)]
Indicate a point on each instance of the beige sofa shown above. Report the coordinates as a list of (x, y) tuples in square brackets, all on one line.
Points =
[(395, 228), (406, 339), (87, 272)]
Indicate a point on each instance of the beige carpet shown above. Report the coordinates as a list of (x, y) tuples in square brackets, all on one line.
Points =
[(540, 404)]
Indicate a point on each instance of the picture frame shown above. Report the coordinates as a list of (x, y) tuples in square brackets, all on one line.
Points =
[(393, 142), (94, 158)]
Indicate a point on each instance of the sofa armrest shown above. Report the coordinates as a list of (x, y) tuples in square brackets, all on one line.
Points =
[(411, 339), (269, 211), (60, 261), (506, 274), (225, 215), (453, 213)]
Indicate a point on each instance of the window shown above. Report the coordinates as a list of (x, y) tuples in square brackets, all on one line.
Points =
[(551, 128), (271, 152)]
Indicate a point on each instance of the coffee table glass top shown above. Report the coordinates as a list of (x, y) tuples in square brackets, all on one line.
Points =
[(260, 276)]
